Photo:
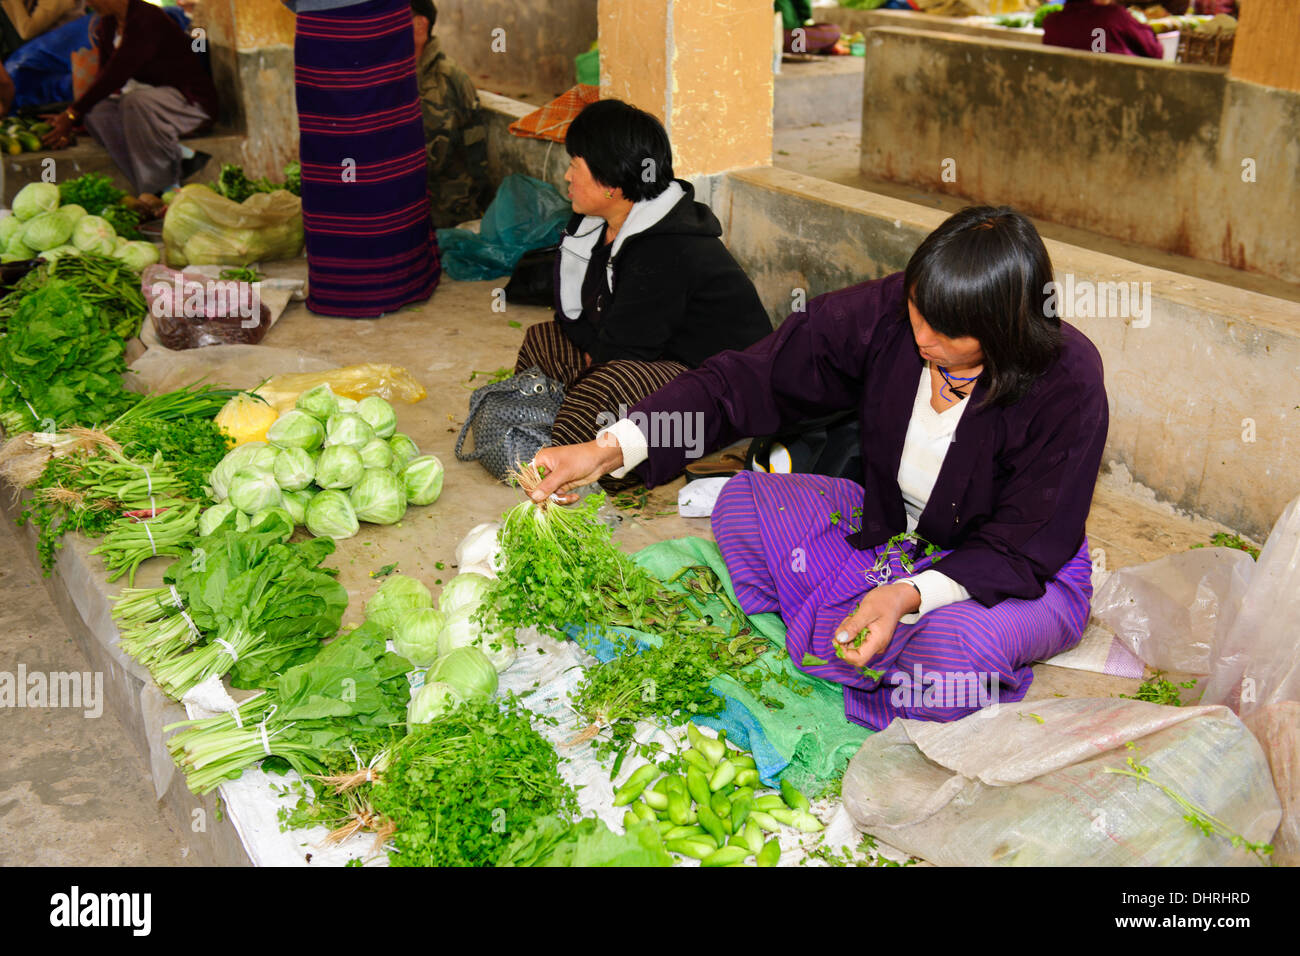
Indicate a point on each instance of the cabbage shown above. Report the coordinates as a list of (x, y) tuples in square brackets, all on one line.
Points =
[(294, 470), (47, 230), (396, 596), (74, 212), (422, 480), (345, 428), (296, 502), (329, 515), (339, 466), (404, 450), (480, 550), (379, 415), (253, 490), (462, 630), (347, 405), (466, 589), (137, 254), (295, 429), (17, 249), (49, 255), (94, 234), (257, 519), (378, 497), (256, 454), (119, 242), (377, 454), (214, 518), (10, 226), (319, 402), (467, 671), (416, 635), (34, 199), (430, 702)]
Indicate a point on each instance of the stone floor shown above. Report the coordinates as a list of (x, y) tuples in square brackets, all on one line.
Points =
[(73, 790)]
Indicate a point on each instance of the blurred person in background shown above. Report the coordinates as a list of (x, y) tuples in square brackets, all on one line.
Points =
[(23, 20), (365, 203), (454, 134), (1076, 24), (151, 89)]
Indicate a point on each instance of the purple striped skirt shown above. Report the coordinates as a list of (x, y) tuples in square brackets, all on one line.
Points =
[(785, 555), (365, 203)]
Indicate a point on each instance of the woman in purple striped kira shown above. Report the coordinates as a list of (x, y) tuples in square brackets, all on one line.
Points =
[(982, 420)]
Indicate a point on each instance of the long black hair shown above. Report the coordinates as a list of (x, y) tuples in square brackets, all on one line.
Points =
[(624, 147), (985, 273)]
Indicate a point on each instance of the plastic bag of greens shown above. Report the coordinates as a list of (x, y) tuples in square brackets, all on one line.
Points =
[(204, 227)]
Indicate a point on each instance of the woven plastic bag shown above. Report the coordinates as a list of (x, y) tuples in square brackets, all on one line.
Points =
[(203, 227), (1035, 784)]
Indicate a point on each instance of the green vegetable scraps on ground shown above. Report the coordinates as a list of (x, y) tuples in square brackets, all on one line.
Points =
[(242, 274), (500, 375), (386, 570), (1198, 817), (1156, 690), (865, 854), (1221, 539)]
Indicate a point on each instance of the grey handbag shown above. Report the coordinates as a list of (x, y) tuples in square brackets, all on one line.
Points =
[(510, 421)]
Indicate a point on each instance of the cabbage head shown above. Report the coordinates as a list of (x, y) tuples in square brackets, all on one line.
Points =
[(377, 454), (34, 199), (257, 519), (404, 450), (137, 254), (462, 630), (256, 454), (296, 502), (339, 466), (379, 415), (378, 497), (319, 402), (467, 671), (346, 428), (422, 480), (296, 429), (215, 517), (294, 470), (330, 515), (416, 635), (94, 234), (253, 490), (467, 589), (398, 594), (47, 230), (74, 212), (10, 226), (429, 703)]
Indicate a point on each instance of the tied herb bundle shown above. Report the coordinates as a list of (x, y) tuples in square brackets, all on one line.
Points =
[(249, 604), (316, 716)]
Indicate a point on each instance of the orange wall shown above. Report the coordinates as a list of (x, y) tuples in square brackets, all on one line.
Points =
[(262, 23), (1268, 38)]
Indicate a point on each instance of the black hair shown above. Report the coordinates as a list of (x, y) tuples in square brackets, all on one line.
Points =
[(624, 147), (426, 9), (985, 273)]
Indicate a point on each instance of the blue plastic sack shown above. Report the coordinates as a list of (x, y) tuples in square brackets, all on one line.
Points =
[(526, 214)]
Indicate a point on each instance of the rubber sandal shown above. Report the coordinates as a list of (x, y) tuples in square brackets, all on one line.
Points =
[(721, 466)]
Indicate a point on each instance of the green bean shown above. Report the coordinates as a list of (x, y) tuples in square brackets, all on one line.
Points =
[(697, 784), (723, 775), (683, 832), (726, 856), (697, 849), (769, 802), (793, 798), (635, 784), (770, 854)]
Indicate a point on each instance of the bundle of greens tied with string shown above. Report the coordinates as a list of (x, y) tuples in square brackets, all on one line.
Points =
[(562, 574)]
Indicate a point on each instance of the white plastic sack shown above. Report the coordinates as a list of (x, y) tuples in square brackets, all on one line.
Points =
[(1258, 660), (1173, 611), (1277, 728), (1027, 785)]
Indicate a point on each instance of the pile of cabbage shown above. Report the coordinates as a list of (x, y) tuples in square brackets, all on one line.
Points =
[(329, 463), (460, 660), (40, 227)]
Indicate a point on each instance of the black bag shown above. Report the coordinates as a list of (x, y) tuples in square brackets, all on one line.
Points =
[(533, 281), (824, 446), (510, 421)]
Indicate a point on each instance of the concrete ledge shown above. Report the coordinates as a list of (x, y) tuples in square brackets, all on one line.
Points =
[(1179, 158), (508, 153), (860, 21)]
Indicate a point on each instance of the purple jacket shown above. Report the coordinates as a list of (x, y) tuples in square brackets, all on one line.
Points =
[(1014, 491)]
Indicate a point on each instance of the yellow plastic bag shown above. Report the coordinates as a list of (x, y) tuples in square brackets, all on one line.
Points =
[(203, 227), (389, 382)]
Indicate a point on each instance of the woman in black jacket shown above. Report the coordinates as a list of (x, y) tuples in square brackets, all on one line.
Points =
[(646, 290)]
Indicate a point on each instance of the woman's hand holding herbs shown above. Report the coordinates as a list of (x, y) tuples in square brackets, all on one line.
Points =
[(864, 634), (570, 466)]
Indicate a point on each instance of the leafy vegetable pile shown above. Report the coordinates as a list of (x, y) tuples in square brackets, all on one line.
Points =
[(93, 192), (107, 284), (554, 841), (235, 185), (315, 715)]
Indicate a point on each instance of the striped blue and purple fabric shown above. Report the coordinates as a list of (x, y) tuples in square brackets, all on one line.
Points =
[(786, 555), (365, 204)]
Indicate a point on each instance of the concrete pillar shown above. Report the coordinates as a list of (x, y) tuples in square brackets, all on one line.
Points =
[(704, 67), (1268, 37)]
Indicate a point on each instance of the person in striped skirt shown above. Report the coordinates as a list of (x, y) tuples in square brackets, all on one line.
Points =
[(365, 205), (646, 290), (930, 586)]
